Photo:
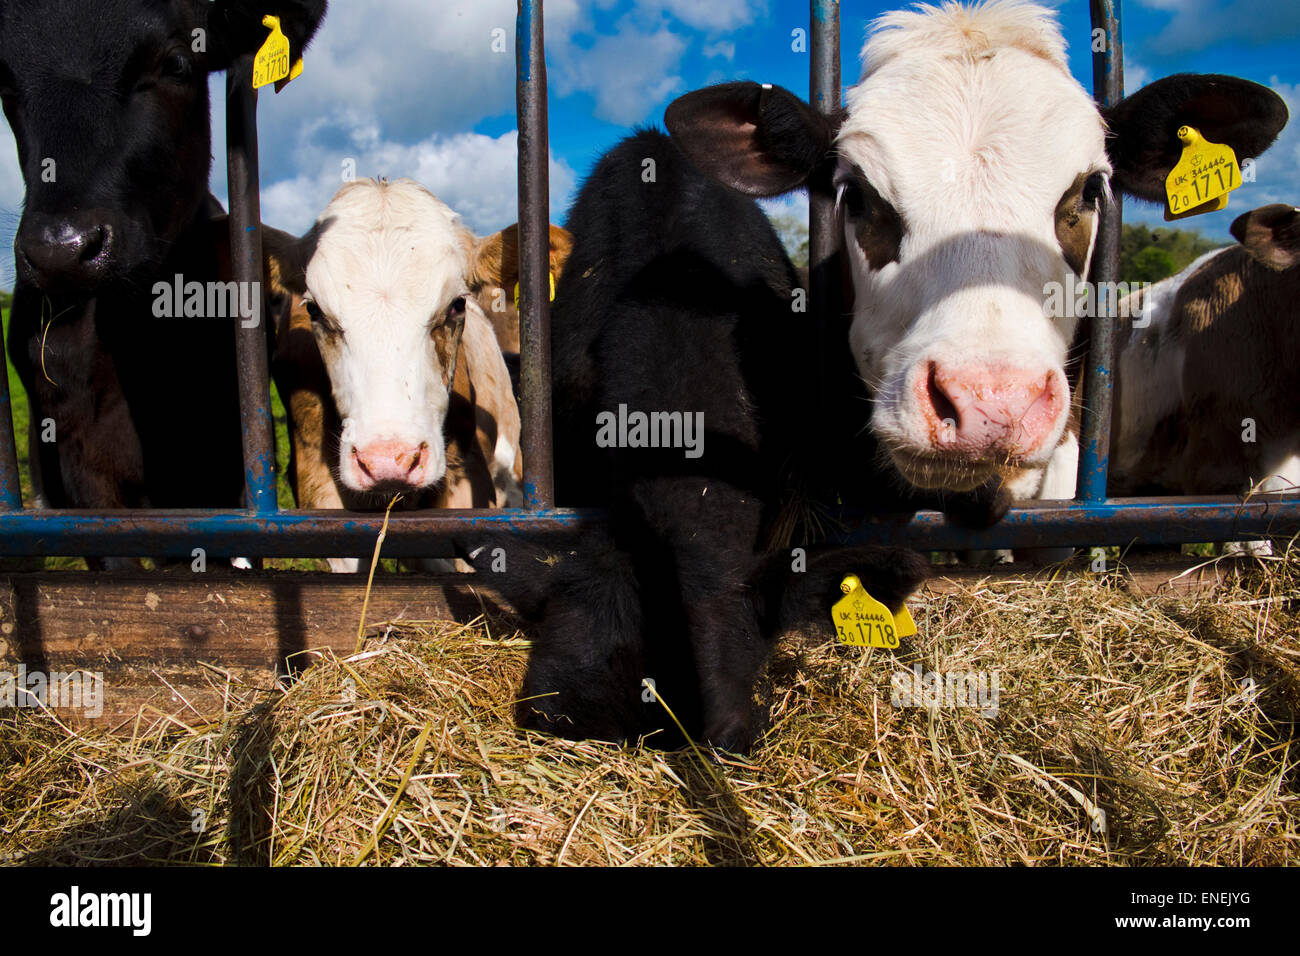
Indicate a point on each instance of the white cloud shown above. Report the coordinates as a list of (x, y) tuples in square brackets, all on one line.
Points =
[(1197, 24), (723, 48), (708, 14), (628, 73), (473, 174)]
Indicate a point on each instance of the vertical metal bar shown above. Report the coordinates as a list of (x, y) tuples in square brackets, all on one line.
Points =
[(1094, 432), (246, 263), (11, 495), (534, 256), (823, 238)]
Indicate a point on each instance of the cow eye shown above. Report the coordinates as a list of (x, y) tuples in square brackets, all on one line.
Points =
[(177, 66), (457, 308), (853, 199), (1094, 187), (314, 311)]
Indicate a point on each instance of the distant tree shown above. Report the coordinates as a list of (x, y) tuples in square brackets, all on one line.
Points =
[(1149, 255), (6, 299), (1151, 265), (793, 233)]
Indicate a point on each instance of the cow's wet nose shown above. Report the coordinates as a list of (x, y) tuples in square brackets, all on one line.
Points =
[(64, 252), (989, 411), (391, 463)]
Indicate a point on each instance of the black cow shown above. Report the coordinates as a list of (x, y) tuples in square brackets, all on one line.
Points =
[(677, 297), (108, 101)]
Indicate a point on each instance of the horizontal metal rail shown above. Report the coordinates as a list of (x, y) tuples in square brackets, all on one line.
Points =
[(304, 534)]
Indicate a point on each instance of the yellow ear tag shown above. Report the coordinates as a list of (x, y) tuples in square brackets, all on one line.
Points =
[(272, 61), (1202, 178), (552, 290), (862, 621)]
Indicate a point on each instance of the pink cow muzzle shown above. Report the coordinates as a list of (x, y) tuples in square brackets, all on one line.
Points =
[(391, 464), (989, 413)]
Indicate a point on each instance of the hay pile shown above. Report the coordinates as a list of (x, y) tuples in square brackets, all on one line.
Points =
[(1157, 730)]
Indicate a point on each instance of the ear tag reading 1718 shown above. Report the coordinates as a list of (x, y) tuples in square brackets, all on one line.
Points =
[(271, 65), (862, 621), (1202, 178)]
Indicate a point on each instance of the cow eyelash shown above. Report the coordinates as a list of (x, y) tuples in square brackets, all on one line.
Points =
[(1094, 188), (851, 197)]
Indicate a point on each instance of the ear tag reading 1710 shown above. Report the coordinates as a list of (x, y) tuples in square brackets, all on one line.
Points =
[(271, 64), (1202, 178), (552, 290), (862, 621)]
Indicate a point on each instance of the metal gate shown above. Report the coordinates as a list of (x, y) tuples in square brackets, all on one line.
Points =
[(265, 531)]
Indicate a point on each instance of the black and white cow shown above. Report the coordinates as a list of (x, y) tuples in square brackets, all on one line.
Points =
[(108, 102), (1206, 385), (964, 201)]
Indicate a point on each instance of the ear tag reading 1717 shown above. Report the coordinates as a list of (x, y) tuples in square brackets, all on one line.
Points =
[(271, 65), (1202, 178), (862, 621)]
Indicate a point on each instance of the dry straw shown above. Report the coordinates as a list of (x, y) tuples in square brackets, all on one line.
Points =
[(1129, 730)]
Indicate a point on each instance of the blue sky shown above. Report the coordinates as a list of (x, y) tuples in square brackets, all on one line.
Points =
[(425, 88)]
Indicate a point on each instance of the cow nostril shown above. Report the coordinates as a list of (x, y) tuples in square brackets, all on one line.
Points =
[(93, 243), (944, 409), (361, 463)]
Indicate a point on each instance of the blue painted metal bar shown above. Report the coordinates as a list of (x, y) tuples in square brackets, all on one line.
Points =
[(246, 264), (1094, 431), (429, 534), (11, 495), (534, 257)]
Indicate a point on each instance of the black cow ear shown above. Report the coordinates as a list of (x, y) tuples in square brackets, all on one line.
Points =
[(1143, 139), (235, 27), (759, 140), (1271, 234)]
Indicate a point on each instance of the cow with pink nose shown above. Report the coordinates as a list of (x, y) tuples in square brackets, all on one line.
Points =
[(968, 168)]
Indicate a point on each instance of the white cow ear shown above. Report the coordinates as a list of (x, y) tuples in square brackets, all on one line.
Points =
[(1271, 234), (761, 140), (1143, 142)]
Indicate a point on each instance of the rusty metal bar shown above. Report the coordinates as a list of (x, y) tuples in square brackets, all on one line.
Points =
[(303, 534), (246, 264), (1094, 432), (534, 257), (823, 237)]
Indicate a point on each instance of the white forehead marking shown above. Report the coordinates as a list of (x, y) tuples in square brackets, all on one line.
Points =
[(389, 247), (969, 115)]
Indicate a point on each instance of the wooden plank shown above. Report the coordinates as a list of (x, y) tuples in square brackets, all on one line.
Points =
[(172, 640)]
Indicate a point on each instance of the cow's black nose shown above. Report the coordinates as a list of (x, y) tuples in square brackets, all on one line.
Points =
[(64, 252)]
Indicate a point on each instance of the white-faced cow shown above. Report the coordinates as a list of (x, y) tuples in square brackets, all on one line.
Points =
[(968, 167), (108, 101), (391, 370), (1205, 389)]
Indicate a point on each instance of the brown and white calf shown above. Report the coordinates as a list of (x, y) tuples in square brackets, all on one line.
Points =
[(963, 198), (1205, 389), (390, 370), (495, 280)]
